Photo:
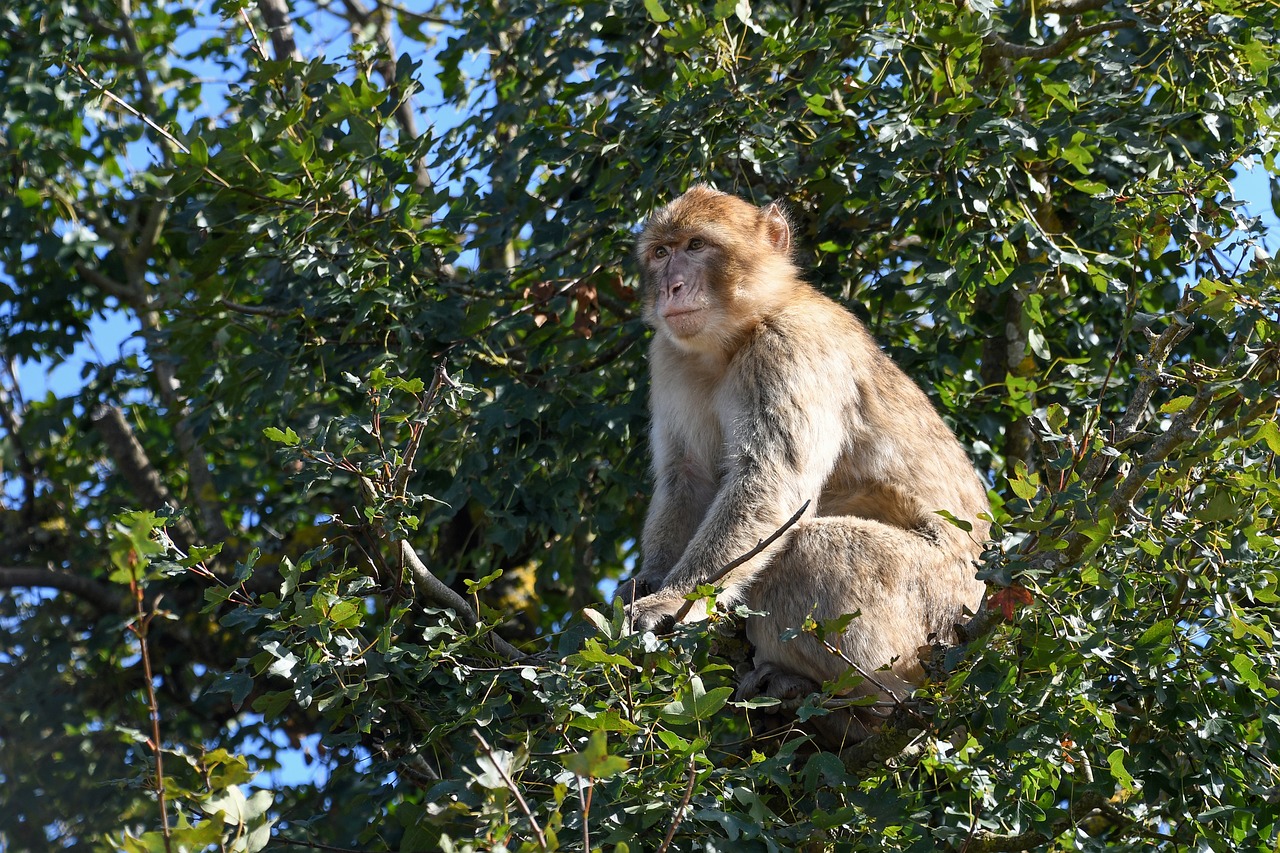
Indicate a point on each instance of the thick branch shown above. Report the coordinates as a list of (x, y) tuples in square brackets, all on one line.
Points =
[(1136, 410), (132, 463), (109, 285), (998, 48), (275, 13), (99, 595), (1181, 430), (434, 590), (359, 15)]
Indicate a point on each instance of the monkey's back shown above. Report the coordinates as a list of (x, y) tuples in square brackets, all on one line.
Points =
[(900, 463)]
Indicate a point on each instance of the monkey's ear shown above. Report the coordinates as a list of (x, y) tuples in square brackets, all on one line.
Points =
[(777, 228)]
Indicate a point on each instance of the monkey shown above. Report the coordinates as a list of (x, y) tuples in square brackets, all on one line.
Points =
[(766, 394)]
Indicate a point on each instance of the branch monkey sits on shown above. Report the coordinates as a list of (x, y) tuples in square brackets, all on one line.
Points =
[(766, 394)]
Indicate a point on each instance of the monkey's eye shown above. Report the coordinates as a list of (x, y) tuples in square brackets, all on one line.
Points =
[(660, 252), (695, 244)]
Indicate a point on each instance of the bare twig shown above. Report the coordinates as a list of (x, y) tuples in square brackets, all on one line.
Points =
[(584, 799), (684, 804), (139, 629), (428, 401), (253, 310), (511, 786), (145, 119), (861, 670), (759, 547)]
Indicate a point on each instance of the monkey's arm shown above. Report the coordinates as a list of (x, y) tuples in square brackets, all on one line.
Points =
[(783, 437), (683, 489)]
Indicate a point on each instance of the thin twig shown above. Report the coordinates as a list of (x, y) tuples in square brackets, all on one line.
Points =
[(253, 310), (760, 546), (897, 700), (684, 804), (145, 119), (400, 482), (511, 786), (584, 797), (139, 629)]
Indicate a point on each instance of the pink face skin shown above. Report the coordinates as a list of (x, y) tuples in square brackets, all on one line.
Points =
[(680, 283)]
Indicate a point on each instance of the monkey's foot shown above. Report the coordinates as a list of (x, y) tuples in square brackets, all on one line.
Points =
[(772, 681)]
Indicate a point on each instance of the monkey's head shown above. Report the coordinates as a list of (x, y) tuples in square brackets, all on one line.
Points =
[(712, 265)]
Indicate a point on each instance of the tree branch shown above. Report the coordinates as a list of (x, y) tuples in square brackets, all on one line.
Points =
[(432, 589), (136, 468), (110, 286), (358, 15), (275, 13), (738, 561), (1136, 410), (1070, 7), (511, 786), (998, 48), (99, 595)]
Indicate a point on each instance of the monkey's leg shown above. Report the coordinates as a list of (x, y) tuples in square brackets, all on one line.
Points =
[(903, 587)]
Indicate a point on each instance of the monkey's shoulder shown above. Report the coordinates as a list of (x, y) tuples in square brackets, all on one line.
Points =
[(809, 326)]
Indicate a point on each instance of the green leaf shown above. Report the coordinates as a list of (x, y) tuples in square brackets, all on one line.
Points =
[(696, 703), (595, 762), (287, 437), (1115, 759), (1156, 635), (346, 613), (656, 13), (1244, 668), (1270, 433), (593, 654), (605, 721)]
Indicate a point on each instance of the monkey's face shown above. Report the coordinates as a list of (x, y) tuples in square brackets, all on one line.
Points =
[(687, 257), (679, 286)]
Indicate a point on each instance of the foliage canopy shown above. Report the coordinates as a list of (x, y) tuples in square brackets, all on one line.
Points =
[(378, 438)]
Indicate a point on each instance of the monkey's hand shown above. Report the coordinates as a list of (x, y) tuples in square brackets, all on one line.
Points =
[(656, 613)]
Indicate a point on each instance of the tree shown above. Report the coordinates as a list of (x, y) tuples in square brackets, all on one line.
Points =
[(362, 478)]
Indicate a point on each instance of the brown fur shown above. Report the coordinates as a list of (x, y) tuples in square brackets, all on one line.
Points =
[(765, 394)]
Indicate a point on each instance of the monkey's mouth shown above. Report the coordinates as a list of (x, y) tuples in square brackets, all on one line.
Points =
[(685, 323)]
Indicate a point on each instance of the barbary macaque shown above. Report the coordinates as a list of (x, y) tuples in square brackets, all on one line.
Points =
[(767, 394)]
